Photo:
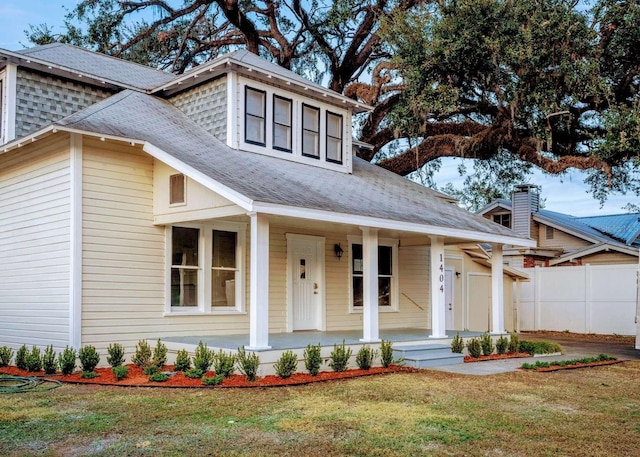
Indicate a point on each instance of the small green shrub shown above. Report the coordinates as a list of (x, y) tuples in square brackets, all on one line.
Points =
[(67, 360), (474, 347), (115, 356), (21, 357), (89, 358), (248, 364), (150, 369), (158, 377), (339, 357), (514, 343), (6, 354), (566, 363), (34, 359), (364, 357), (89, 374), (224, 363), (159, 354), (212, 380), (487, 344), (183, 361), (142, 356), (313, 359), (203, 357), (286, 365), (457, 344), (386, 353), (539, 347), (120, 372), (49, 362), (194, 373), (502, 344)]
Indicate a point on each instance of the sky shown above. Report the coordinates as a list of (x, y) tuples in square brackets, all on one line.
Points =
[(567, 194)]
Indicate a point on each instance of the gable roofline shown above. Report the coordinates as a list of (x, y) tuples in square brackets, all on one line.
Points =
[(247, 63), (500, 203), (589, 250)]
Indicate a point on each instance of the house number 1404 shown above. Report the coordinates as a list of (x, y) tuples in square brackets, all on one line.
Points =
[(441, 268)]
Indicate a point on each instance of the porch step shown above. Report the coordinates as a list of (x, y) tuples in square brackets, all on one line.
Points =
[(427, 355)]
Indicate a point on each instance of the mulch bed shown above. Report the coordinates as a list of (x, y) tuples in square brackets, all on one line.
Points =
[(136, 378), (508, 355), (574, 366)]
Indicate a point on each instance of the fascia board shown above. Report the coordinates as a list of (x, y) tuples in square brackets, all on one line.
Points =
[(492, 206), (594, 250), (559, 226)]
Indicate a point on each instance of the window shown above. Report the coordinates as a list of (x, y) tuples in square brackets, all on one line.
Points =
[(224, 269), (282, 123), (1, 107), (385, 275), (254, 123), (177, 189), (184, 266), (549, 233), (334, 138), (503, 219), (310, 131)]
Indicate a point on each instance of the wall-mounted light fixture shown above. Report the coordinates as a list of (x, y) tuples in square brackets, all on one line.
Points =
[(457, 274), (338, 250)]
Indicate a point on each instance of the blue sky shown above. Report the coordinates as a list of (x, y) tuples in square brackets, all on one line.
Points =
[(567, 194)]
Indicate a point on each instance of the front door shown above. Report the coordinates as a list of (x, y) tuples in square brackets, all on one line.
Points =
[(305, 282), (448, 298)]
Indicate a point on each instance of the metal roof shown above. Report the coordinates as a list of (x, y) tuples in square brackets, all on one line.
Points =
[(623, 227)]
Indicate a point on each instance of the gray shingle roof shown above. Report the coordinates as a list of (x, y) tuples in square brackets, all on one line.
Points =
[(370, 191), (98, 65)]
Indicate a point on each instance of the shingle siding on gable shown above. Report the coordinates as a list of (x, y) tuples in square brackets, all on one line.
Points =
[(206, 105), (41, 100)]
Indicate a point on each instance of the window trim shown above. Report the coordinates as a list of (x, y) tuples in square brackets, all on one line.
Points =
[(248, 88), (303, 130), (501, 216), (274, 123), (394, 295), (327, 137)]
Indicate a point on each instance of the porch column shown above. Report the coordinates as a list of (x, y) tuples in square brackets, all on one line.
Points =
[(497, 290), (259, 283), (438, 305), (370, 326)]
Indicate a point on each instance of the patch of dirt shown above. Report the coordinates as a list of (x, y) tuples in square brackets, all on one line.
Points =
[(137, 378), (623, 339), (508, 355)]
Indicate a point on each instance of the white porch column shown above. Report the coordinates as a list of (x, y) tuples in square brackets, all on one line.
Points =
[(259, 283), (370, 326), (497, 290), (438, 305)]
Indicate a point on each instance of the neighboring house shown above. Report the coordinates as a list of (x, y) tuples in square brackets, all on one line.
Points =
[(561, 239), (138, 204)]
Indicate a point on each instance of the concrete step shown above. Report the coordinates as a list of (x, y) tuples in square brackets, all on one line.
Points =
[(427, 355)]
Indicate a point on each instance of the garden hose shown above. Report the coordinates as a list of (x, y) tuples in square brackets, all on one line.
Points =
[(19, 384)]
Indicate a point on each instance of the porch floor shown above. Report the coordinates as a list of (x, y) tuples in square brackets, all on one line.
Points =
[(300, 339)]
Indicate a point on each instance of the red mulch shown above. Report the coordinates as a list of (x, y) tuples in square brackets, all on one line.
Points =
[(576, 365), (137, 378), (508, 355)]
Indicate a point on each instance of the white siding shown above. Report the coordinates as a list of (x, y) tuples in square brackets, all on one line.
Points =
[(34, 244)]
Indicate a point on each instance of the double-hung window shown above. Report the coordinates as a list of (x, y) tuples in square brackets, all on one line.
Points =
[(334, 138), (387, 275), (255, 116), (310, 131), (224, 268), (282, 123), (185, 266)]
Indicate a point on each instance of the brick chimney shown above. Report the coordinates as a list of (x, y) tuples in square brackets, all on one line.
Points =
[(525, 200)]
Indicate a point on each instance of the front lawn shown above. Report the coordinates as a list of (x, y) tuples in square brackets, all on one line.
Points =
[(580, 412)]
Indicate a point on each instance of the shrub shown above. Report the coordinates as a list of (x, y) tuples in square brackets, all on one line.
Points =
[(224, 363), (474, 347), (502, 344), (203, 357), (364, 357), (487, 344), (6, 354), (120, 372), (67, 360), (150, 369), (33, 360), (212, 380), (158, 377), (286, 365), (539, 347), (386, 353), (514, 343), (89, 374), (89, 358), (457, 344), (21, 357), (183, 361), (194, 373), (248, 364), (115, 356), (159, 354), (339, 357), (49, 363), (312, 359), (142, 356)]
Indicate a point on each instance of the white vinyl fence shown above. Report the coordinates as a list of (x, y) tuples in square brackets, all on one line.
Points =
[(585, 299)]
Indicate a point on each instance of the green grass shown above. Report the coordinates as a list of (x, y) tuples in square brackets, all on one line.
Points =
[(403, 414)]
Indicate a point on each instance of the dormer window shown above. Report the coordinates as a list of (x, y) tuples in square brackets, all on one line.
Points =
[(177, 194), (255, 114), (334, 137), (310, 131), (282, 123), (503, 219)]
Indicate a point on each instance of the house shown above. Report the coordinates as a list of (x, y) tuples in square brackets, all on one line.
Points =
[(226, 201), (562, 239)]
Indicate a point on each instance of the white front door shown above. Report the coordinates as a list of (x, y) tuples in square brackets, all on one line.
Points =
[(306, 282), (448, 298)]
